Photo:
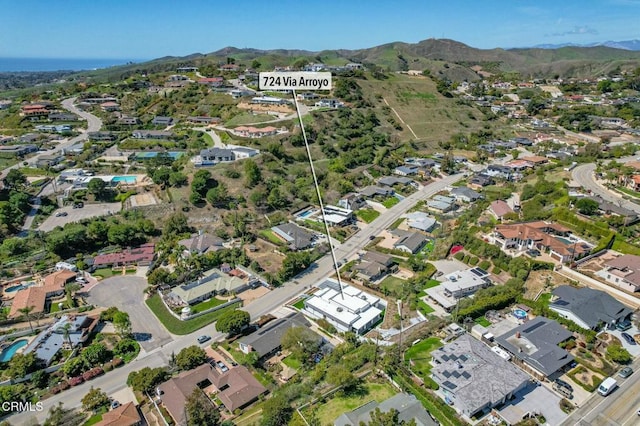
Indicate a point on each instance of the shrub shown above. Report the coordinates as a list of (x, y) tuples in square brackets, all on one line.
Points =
[(485, 264), (473, 261), (75, 381), (459, 256), (64, 385), (117, 362), (108, 367), (496, 270)]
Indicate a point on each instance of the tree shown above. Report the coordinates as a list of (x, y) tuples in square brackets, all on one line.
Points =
[(338, 375), (252, 173), (276, 411), (125, 346), (176, 224), (26, 313), (21, 365), (178, 179), (587, 206), (191, 357), (60, 416), (302, 342), (122, 323), (74, 366), (70, 289), (147, 379), (617, 353), (389, 418), (95, 354), (161, 176), (97, 187), (233, 322), (40, 379), (218, 195), (95, 399), (122, 234), (15, 179), (200, 411)]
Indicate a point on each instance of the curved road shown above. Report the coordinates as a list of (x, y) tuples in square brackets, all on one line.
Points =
[(585, 176), (93, 125), (116, 380)]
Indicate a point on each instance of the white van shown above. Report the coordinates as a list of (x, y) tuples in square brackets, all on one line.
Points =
[(607, 386)]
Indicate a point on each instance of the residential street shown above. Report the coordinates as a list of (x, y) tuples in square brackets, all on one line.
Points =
[(618, 409), (116, 380), (584, 175)]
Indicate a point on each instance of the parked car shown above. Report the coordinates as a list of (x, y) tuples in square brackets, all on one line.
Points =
[(625, 372), (204, 338), (533, 252), (563, 384), (628, 338), (78, 205), (623, 325), (115, 404), (62, 214), (222, 367)]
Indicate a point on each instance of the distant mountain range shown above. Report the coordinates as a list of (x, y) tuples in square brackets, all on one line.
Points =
[(444, 58), (625, 45)]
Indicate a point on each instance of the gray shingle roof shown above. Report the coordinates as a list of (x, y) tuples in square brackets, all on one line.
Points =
[(538, 344), (267, 339), (409, 408), (591, 306), (294, 235)]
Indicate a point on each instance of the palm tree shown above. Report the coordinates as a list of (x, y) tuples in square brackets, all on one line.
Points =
[(26, 312), (66, 334), (70, 290)]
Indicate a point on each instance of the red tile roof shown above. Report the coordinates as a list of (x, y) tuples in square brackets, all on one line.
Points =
[(125, 415), (500, 208), (32, 296), (144, 253)]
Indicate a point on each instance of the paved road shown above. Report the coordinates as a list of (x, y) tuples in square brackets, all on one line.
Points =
[(217, 142), (76, 215), (126, 292), (618, 409), (116, 380), (93, 125), (584, 175)]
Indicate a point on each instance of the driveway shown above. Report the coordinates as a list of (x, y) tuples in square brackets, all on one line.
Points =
[(127, 293), (449, 266), (76, 215), (634, 350)]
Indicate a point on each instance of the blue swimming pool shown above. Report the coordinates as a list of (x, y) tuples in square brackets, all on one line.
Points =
[(519, 313), (306, 214), (8, 352), (125, 179), (18, 287)]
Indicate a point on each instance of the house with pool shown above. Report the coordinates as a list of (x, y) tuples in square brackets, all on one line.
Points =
[(111, 181), (38, 294)]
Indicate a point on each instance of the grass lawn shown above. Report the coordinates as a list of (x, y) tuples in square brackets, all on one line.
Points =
[(299, 304), (390, 202), (431, 283), (328, 412), (629, 192), (428, 248), (292, 362), (203, 306), (420, 354), (174, 325), (105, 273), (54, 306), (268, 235), (392, 283), (482, 321), (367, 215), (96, 417), (425, 308), (545, 297)]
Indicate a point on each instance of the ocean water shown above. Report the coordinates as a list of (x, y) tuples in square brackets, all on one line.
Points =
[(58, 64)]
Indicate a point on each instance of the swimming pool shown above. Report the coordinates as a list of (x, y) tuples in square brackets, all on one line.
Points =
[(564, 240), (8, 352), (306, 214), (125, 179), (18, 287), (519, 313)]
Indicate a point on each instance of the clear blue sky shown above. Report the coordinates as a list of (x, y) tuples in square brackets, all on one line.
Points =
[(146, 29)]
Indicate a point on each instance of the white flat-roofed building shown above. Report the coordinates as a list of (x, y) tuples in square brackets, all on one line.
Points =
[(354, 310), (459, 284), (337, 215)]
